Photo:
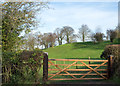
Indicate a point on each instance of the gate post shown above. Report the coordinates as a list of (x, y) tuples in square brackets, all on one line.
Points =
[(45, 67), (110, 62)]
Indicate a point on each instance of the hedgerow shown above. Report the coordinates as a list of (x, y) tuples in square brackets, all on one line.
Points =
[(115, 51), (21, 67)]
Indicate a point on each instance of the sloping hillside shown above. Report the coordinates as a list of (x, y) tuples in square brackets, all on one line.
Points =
[(77, 50)]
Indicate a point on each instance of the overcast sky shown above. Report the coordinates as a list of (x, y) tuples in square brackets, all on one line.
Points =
[(102, 15)]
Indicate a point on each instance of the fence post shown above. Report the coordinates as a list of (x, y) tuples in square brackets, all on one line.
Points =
[(110, 60), (89, 59), (45, 67)]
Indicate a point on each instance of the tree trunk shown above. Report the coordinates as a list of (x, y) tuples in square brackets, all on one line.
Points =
[(61, 41), (46, 46), (58, 40), (83, 38), (111, 40), (68, 39), (52, 44)]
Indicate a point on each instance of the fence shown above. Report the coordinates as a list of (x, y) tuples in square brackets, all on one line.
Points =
[(77, 69)]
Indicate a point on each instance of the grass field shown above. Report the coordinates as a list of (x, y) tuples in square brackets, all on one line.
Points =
[(77, 50)]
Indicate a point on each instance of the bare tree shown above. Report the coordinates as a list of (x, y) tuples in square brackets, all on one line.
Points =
[(73, 38), (60, 35), (84, 32), (68, 31), (51, 39), (29, 42), (48, 39), (38, 37), (44, 40)]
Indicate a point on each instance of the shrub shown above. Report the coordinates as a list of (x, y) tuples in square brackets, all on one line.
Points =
[(7, 62), (116, 41), (22, 67), (115, 51), (97, 37)]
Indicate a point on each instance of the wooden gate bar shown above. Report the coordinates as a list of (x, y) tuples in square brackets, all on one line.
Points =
[(78, 69), (77, 79), (78, 64), (62, 70), (100, 65), (83, 63), (80, 74), (93, 70), (78, 60)]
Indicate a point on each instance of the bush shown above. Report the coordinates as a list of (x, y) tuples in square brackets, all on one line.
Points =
[(22, 67), (7, 62), (116, 41), (97, 37), (115, 51)]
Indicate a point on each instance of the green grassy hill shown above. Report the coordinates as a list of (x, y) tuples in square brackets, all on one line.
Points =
[(77, 50)]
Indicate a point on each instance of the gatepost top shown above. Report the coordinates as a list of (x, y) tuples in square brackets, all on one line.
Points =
[(46, 53)]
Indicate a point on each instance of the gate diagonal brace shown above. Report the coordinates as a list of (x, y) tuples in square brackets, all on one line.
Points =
[(93, 69), (63, 70)]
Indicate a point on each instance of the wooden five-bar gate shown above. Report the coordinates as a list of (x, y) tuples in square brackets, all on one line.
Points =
[(77, 69)]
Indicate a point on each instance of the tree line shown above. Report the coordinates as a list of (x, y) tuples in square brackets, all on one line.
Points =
[(66, 33)]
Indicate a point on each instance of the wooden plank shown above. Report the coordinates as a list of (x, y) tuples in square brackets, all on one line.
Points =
[(77, 79), (77, 65), (100, 65), (62, 70), (78, 69), (85, 74), (80, 74), (93, 70), (78, 60)]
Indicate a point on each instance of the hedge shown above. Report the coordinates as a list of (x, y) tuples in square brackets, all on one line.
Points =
[(21, 67), (116, 41), (115, 51)]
